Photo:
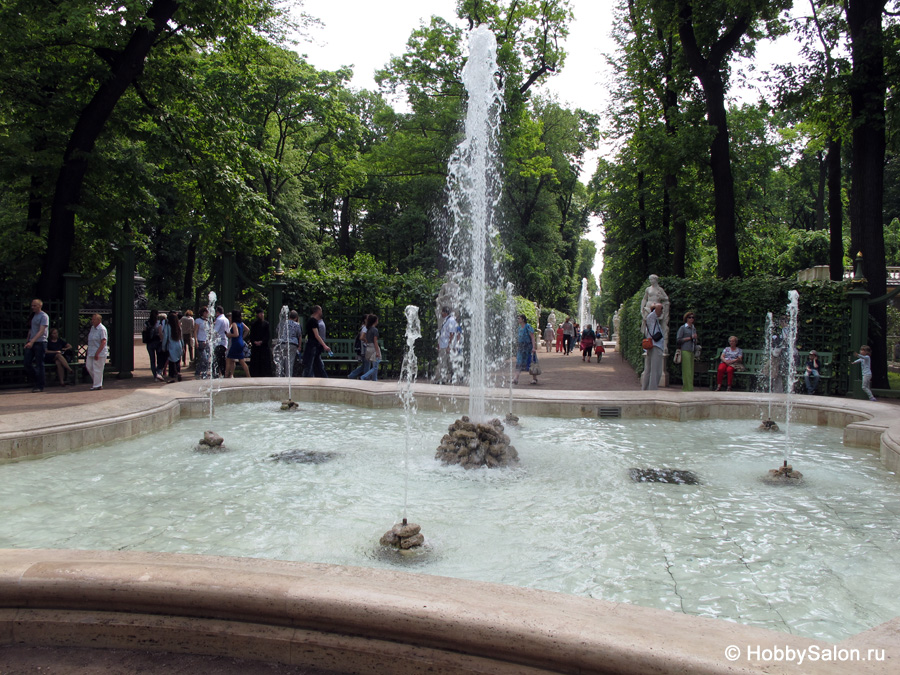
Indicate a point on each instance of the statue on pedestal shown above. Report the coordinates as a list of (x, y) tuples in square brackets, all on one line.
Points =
[(653, 294)]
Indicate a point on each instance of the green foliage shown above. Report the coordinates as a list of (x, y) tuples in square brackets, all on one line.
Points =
[(739, 307)]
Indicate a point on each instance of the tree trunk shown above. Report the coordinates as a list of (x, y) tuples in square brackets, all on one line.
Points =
[(125, 69), (642, 225), (835, 211), (35, 206), (709, 71), (344, 231), (867, 95), (187, 291), (820, 190)]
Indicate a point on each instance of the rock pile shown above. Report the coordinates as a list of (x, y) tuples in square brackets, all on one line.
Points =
[(784, 475), (211, 442), (471, 445), (403, 536), (768, 425), (288, 404)]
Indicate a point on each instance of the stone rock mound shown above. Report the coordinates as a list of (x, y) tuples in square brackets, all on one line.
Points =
[(472, 445), (403, 536), (784, 475), (211, 443), (675, 476), (303, 456)]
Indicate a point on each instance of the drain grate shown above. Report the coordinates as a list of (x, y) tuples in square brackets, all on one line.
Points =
[(609, 412)]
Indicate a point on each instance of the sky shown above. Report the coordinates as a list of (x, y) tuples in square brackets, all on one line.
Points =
[(366, 33)]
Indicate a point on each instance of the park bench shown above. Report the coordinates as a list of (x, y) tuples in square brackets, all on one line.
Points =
[(755, 360), (12, 355)]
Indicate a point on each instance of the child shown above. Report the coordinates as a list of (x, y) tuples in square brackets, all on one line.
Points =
[(865, 362), (599, 350)]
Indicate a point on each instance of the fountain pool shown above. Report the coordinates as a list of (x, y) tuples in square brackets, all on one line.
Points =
[(568, 519)]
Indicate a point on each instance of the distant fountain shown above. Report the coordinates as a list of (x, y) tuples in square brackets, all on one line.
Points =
[(584, 305), (405, 535), (473, 185)]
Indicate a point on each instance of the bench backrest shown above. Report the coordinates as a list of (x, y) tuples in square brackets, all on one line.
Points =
[(755, 360)]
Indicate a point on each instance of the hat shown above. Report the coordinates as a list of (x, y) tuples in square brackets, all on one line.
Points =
[(813, 351)]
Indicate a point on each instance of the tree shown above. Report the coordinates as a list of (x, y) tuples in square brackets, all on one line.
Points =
[(867, 96), (112, 45), (711, 32)]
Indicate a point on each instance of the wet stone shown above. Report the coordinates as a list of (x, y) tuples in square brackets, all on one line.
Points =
[(407, 530), (303, 456), (475, 445), (289, 405), (412, 542), (674, 476), (211, 439)]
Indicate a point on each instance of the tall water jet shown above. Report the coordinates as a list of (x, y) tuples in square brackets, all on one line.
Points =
[(210, 345), (405, 535), (584, 305), (511, 325), (284, 364), (785, 474), (473, 185)]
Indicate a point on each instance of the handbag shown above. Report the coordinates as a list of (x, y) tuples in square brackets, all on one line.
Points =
[(535, 368), (677, 357)]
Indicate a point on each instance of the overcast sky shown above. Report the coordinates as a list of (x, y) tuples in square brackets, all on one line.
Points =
[(366, 33)]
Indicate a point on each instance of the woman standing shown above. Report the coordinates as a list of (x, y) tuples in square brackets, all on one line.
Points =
[(686, 341), (587, 343), (153, 332), (173, 346), (373, 350), (237, 331), (526, 348)]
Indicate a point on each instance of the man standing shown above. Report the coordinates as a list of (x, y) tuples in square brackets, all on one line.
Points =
[(36, 346), (201, 337), (260, 356), (446, 338), (313, 366), (568, 335), (220, 326), (96, 352), (653, 361), (187, 337)]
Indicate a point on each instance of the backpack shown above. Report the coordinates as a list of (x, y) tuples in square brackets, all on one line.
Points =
[(358, 346), (147, 333)]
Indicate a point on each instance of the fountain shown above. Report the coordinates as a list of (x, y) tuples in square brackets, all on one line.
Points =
[(405, 536), (285, 363), (785, 474), (211, 352), (584, 305), (473, 186)]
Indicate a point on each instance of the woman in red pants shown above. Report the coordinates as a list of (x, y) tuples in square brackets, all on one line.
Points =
[(732, 357)]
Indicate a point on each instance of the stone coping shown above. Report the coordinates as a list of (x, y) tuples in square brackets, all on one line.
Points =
[(36, 434), (348, 619), (373, 621)]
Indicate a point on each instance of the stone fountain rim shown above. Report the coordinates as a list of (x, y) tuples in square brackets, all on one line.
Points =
[(247, 608)]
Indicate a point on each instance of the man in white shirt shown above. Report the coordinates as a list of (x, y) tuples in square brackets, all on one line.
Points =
[(220, 326), (97, 352)]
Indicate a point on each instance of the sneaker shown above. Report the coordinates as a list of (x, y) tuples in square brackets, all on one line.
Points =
[(38, 389), (871, 399), (160, 378), (96, 388)]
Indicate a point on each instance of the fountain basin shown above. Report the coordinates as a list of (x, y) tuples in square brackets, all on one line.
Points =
[(671, 405)]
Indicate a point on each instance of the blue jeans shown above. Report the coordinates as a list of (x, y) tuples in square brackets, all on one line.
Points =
[(372, 372), (812, 381), (360, 370), (34, 363)]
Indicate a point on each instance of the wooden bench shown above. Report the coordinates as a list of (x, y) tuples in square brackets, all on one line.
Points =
[(12, 357), (755, 363)]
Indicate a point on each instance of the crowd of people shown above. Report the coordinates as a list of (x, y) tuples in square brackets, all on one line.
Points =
[(215, 348)]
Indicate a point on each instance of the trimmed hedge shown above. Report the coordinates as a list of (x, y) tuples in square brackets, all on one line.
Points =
[(739, 307)]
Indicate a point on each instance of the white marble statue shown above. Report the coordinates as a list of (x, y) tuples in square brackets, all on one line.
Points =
[(652, 294)]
